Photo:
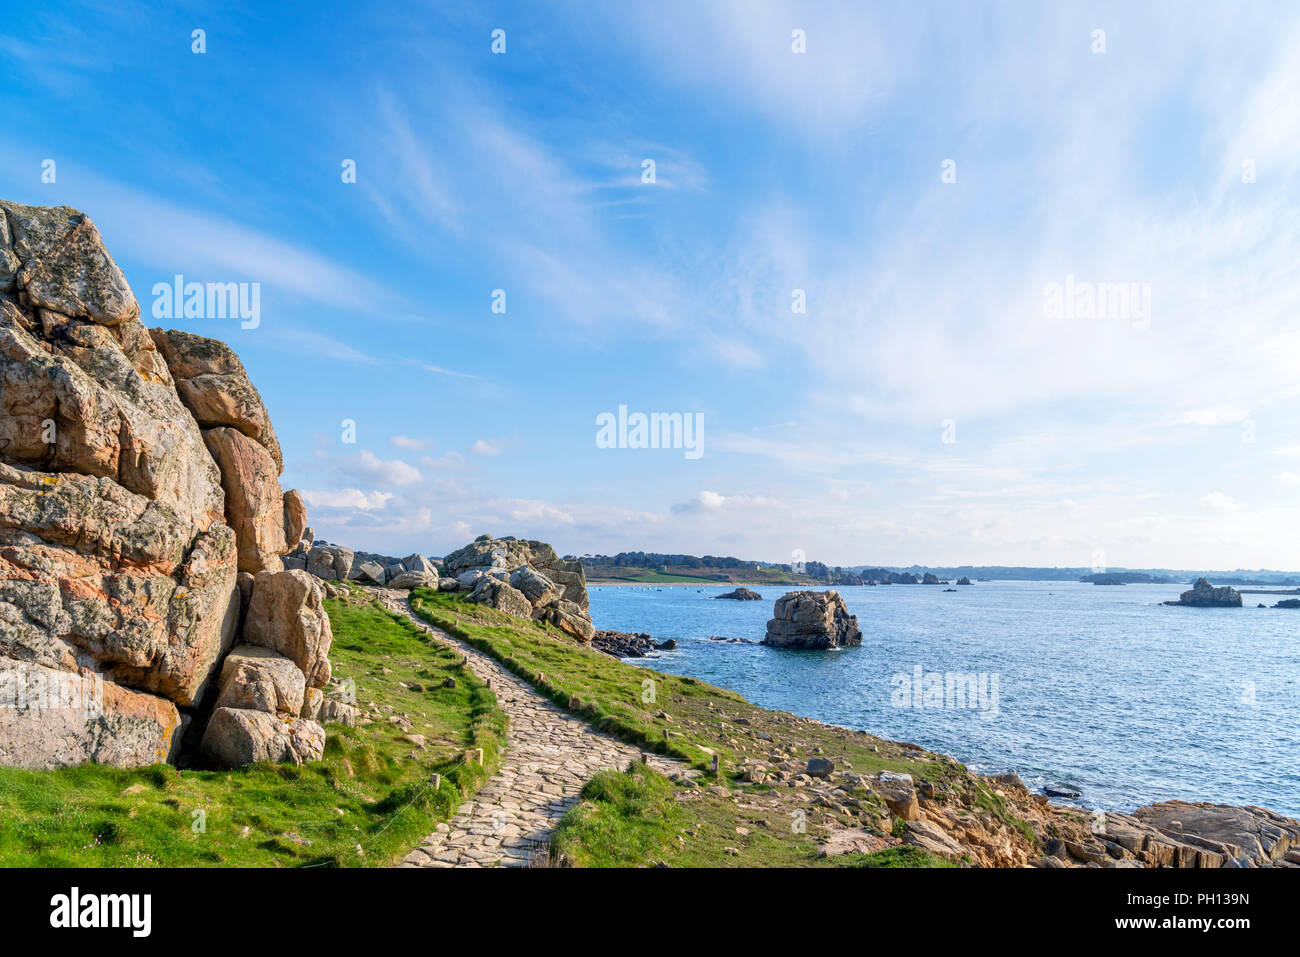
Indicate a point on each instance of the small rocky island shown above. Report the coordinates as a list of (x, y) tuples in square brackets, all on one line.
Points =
[(622, 644), (816, 620), (1205, 595), (741, 594)]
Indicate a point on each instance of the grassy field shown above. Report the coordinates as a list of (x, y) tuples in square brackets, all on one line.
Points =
[(728, 821), (366, 804)]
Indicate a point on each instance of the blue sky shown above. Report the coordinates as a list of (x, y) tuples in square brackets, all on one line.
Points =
[(924, 409)]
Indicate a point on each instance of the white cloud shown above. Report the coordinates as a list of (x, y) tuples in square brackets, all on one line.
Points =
[(484, 447), (368, 468), (347, 498), (406, 442), (1219, 502)]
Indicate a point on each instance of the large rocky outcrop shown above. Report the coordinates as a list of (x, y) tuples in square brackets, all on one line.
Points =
[(121, 533), (526, 579), (812, 619), (1204, 595)]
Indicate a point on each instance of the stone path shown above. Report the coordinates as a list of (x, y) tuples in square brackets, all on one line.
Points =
[(549, 756)]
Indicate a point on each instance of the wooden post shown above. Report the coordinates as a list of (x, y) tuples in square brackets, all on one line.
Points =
[(435, 781), (715, 764)]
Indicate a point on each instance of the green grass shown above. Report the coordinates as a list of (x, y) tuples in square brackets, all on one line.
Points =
[(371, 789), (904, 856), (622, 819), (693, 721)]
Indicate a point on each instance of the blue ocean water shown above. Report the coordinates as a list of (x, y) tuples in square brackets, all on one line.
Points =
[(1099, 687)]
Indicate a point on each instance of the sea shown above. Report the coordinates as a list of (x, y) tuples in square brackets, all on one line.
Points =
[(1102, 690)]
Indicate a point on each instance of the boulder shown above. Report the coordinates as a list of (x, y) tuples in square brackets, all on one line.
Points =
[(448, 584), (215, 388), (741, 594), (1204, 595), (237, 736), (414, 580), (418, 563), (331, 562), (371, 572), (285, 615), (258, 678), (536, 587), (312, 699), (55, 259), (254, 502), (51, 718), (486, 554), (295, 518), (570, 619), (819, 767), (812, 620), (502, 596), (899, 794)]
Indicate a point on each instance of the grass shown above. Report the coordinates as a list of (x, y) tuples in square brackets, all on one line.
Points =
[(903, 856), (622, 819), (732, 822), (371, 790)]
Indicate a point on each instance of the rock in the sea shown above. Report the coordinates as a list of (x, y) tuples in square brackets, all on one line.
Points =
[(963, 580), (237, 736), (285, 615), (1204, 595), (1287, 603), (929, 578), (812, 620), (622, 644), (741, 594)]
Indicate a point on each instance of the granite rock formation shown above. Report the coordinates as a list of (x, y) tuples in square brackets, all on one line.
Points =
[(138, 479), (812, 620)]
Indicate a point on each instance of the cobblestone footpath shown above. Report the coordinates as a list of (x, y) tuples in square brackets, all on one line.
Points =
[(549, 756)]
